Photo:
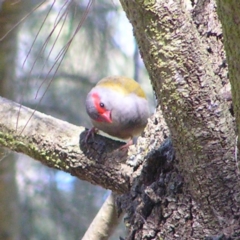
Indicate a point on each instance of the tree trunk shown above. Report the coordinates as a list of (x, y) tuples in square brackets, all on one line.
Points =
[(229, 14), (198, 195)]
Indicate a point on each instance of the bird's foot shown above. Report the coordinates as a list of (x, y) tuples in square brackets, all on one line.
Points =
[(125, 146), (90, 133)]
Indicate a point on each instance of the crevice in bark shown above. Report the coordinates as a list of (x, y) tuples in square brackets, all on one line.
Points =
[(155, 198)]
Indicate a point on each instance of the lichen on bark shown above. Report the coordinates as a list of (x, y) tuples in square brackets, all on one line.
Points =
[(187, 82)]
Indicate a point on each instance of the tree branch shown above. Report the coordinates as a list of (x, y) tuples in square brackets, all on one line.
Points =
[(56, 144), (229, 14), (105, 222)]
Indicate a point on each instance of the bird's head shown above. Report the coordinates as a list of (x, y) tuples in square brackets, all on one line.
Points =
[(98, 108)]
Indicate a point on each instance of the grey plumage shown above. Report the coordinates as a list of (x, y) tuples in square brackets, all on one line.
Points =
[(129, 112)]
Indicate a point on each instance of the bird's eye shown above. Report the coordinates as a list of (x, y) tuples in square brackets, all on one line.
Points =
[(101, 105)]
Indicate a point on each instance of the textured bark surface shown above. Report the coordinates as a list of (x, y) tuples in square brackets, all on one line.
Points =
[(183, 52), (229, 14)]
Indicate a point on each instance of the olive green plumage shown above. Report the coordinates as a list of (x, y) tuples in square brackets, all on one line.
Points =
[(122, 84)]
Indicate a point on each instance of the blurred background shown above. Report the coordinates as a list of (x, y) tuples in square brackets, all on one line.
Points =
[(51, 54)]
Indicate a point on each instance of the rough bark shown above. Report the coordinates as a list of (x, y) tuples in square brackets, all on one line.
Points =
[(187, 80), (229, 14)]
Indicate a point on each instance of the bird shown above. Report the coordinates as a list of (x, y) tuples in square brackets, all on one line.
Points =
[(118, 106)]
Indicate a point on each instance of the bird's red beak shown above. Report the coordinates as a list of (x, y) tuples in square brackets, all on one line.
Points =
[(106, 116)]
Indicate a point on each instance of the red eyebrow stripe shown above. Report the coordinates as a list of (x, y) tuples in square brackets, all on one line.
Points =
[(96, 100)]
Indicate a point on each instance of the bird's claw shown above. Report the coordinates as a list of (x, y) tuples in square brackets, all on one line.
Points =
[(125, 146), (90, 133)]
